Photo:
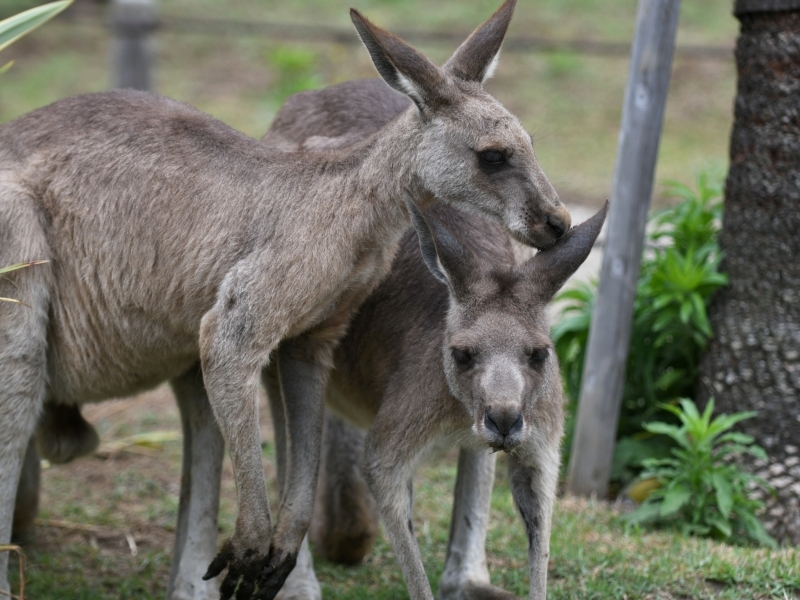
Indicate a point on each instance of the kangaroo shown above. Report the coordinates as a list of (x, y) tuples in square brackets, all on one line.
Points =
[(386, 374), (182, 250), (469, 360)]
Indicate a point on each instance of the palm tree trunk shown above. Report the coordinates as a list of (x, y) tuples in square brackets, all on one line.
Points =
[(754, 361)]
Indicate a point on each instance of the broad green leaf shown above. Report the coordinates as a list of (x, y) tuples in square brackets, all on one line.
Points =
[(757, 452), (570, 325), (724, 494), (721, 525), (685, 312), (13, 28), (690, 409), (736, 437), (666, 429), (756, 532), (725, 422), (582, 293), (674, 499), (644, 513)]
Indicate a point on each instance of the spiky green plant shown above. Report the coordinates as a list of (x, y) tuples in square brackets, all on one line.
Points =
[(702, 491)]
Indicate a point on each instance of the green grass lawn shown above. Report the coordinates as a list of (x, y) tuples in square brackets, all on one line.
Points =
[(80, 549), (571, 102), (593, 557)]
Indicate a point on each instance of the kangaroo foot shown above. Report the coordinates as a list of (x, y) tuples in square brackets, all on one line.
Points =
[(474, 590)]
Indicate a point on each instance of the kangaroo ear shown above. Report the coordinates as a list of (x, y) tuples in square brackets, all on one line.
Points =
[(476, 58), (549, 269), (401, 66), (447, 258)]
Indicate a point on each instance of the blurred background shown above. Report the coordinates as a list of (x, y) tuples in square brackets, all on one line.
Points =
[(562, 71)]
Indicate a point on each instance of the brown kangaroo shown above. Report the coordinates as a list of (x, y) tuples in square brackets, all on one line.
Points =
[(498, 385), (176, 243)]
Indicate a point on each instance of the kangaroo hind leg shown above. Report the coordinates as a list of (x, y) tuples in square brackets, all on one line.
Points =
[(466, 575), (196, 534), (345, 522)]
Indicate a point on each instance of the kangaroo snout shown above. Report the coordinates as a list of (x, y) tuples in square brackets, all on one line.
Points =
[(559, 223), (503, 427), (544, 222)]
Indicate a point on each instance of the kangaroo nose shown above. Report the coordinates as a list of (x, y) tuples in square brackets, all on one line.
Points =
[(503, 424), (557, 224)]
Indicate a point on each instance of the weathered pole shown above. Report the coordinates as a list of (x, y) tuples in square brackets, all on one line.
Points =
[(609, 337), (133, 22)]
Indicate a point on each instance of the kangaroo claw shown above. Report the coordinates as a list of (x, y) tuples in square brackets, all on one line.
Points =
[(252, 577), (273, 576)]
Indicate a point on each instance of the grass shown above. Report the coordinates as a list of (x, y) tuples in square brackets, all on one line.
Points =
[(80, 550), (571, 102)]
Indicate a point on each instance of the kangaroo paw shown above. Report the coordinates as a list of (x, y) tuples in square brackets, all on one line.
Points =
[(253, 576), (274, 574)]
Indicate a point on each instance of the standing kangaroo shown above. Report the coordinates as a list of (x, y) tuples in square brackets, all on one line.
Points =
[(176, 243), (422, 361), (469, 360)]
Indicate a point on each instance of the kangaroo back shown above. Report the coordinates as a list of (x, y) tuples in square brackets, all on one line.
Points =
[(340, 115)]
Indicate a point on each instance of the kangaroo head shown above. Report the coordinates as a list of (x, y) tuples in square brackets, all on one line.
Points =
[(498, 356), (468, 149)]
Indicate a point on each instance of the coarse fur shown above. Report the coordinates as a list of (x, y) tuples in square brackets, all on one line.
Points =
[(470, 361), (176, 242), (396, 373)]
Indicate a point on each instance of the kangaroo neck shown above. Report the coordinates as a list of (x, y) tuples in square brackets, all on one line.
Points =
[(389, 169)]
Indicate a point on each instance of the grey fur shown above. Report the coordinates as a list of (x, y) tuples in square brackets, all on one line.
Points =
[(396, 369), (389, 371), (173, 239)]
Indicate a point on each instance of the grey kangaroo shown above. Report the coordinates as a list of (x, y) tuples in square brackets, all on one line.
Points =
[(182, 250), (422, 361), (466, 358)]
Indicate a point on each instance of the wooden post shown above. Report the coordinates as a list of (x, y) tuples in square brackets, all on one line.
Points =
[(609, 337), (133, 21)]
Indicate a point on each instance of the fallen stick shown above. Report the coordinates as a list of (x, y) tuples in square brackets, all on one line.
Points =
[(105, 532), (74, 526)]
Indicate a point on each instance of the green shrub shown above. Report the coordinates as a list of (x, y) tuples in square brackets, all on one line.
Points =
[(702, 491), (679, 273)]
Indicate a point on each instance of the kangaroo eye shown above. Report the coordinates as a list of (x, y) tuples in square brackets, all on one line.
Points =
[(492, 157), (537, 357), (462, 357)]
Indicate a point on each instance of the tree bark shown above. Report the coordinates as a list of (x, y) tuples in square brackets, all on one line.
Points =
[(754, 361)]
